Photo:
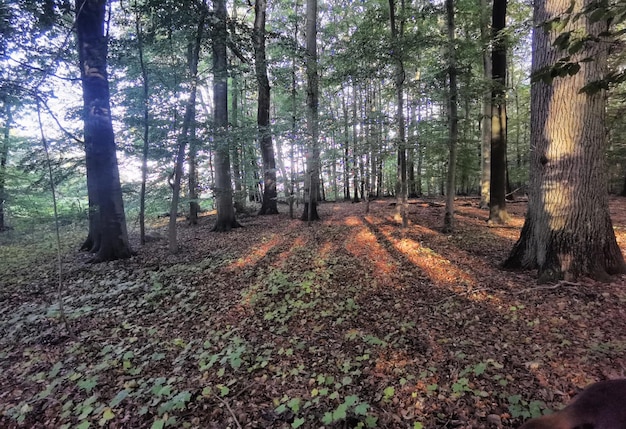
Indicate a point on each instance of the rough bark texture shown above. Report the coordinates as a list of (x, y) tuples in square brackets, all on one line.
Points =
[(223, 186), (453, 122), (311, 184), (568, 231), (269, 205), (108, 237), (497, 196)]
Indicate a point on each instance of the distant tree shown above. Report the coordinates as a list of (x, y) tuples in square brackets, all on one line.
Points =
[(568, 231), (311, 183), (108, 237), (263, 111), (485, 122), (223, 186), (497, 196)]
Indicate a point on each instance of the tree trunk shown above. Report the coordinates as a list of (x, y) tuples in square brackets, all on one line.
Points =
[(311, 184), (498, 179), (145, 84), (485, 122), (186, 134), (108, 237), (448, 220), (568, 231), (263, 112), (223, 187), (4, 155), (399, 76)]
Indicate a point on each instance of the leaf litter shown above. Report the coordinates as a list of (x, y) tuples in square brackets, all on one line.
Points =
[(350, 323)]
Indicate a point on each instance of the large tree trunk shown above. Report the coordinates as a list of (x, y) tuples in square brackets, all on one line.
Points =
[(448, 219), (186, 132), (498, 179), (263, 112), (108, 237), (4, 155), (223, 186), (568, 231), (311, 184)]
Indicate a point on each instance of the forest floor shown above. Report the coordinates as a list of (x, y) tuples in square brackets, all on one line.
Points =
[(351, 322)]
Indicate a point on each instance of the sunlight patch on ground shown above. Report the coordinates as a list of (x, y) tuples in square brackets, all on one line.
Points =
[(256, 255), (439, 269), (365, 246)]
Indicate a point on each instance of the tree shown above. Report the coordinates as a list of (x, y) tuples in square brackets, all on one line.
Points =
[(568, 232), (108, 237), (311, 184), (453, 120), (223, 186), (263, 112), (399, 76), (485, 122), (187, 132), (4, 155), (497, 195)]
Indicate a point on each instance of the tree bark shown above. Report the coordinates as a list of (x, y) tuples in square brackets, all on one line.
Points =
[(485, 122), (399, 76), (269, 205), (4, 156), (453, 120), (568, 231), (108, 237), (311, 184), (498, 179), (223, 186)]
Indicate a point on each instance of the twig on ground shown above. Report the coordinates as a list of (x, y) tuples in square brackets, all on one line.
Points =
[(546, 287)]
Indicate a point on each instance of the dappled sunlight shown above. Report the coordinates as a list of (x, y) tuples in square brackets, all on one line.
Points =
[(364, 245), (437, 268), (257, 254)]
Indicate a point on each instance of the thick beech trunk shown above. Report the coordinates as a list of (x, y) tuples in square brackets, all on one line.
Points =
[(223, 186), (108, 237), (568, 231), (485, 122), (498, 179)]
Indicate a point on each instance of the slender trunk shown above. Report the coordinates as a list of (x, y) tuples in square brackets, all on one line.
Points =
[(145, 83), (4, 155), (399, 76), (188, 124), (448, 220), (485, 122)]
